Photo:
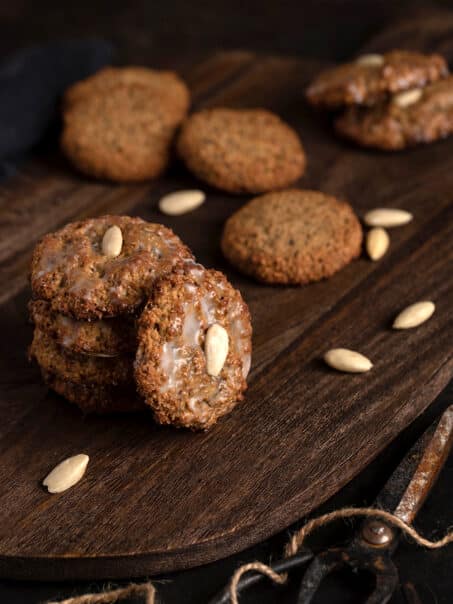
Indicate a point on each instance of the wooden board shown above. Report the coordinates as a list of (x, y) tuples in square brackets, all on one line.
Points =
[(157, 499)]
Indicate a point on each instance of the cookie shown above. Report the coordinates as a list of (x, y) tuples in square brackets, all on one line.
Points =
[(417, 116), (70, 270), (171, 367), (123, 136), (292, 237), (78, 368), (241, 150), (165, 86), (107, 337), (95, 398), (371, 78)]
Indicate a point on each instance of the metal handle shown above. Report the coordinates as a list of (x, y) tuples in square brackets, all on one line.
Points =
[(434, 456)]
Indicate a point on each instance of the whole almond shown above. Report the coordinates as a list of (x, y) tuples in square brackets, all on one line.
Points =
[(112, 242), (377, 243), (215, 349), (408, 97), (387, 217), (181, 202), (346, 360), (66, 474), (414, 315), (370, 60)]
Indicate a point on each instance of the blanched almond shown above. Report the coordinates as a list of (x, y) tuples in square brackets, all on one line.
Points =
[(216, 349), (66, 474), (346, 360), (112, 242), (387, 217), (181, 202), (377, 243), (408, 97), (370, 60), (414, 315)]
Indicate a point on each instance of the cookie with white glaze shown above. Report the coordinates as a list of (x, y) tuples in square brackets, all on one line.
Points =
[(104, 337), (372, 78), (418, 116), (72, 273), (171, 368), (76, 368)]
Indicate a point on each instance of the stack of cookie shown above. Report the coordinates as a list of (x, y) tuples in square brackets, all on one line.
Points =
[(88, 281), (188, 351), (119, 124), (392, 101)]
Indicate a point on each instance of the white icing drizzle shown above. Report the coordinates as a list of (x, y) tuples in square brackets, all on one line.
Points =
[(171, 362), (177, 354)]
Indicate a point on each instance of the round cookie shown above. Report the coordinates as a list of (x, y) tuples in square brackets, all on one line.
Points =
[(372, 77), (95, 398), (105, 337), (79, 368), (166, 86), (71, 272), (241, 150), (410, 118), (123, 136), (292, 237), (170, 366)]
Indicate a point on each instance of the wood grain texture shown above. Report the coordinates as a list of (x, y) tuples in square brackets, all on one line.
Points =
[(156, 499)]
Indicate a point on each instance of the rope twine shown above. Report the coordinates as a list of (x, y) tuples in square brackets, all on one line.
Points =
[(147, 590), (299, 537)]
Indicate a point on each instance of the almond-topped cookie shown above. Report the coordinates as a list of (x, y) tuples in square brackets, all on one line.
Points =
[(75, 271), (241, 150), (292, 237), (371, 78), (194, 348), (420, 115)]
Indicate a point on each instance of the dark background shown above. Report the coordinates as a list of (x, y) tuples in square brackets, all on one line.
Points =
[(157, 33)]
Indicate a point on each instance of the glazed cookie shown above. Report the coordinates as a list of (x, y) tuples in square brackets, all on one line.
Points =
[(107, 337), (95, 398), (420, 115), (71, 270), (292, 237), (76, 368), (194, 348), (123, 136), (166, 86), (241, 150), (371, 78)]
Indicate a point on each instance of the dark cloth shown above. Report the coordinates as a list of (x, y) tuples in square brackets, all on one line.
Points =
[(31, 84)]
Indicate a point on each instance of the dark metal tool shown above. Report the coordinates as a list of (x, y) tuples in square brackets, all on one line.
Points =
[(371, 549), (404, 494)]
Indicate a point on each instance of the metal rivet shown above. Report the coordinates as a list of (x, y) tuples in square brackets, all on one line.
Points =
[(376, 533)]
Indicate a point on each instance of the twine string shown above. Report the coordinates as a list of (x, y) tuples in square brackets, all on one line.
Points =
[(299, 537), (147, 590)]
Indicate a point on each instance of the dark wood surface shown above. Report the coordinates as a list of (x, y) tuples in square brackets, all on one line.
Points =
[(157, 499)]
